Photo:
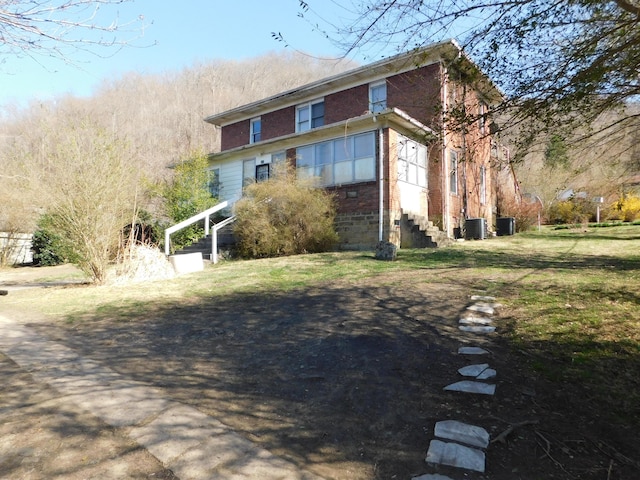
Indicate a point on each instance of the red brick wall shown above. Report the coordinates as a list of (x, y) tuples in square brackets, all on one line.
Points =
[(234, 135), (416, 92), (279, 123), (346, 104), (365, 200)]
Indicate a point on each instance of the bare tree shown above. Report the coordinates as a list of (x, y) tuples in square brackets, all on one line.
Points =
[(89, 189), (54, 28), (562, 63)]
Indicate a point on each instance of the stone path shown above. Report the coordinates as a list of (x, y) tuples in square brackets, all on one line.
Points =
[(457, 444), (193, 445)]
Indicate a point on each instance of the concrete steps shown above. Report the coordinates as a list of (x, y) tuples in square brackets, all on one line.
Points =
[(226, 243), (419, 232)]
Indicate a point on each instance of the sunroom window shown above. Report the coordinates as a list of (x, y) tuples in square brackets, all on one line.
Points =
[(347, 159), (412, 162)]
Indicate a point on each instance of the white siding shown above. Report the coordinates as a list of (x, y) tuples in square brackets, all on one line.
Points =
[(230, 181)]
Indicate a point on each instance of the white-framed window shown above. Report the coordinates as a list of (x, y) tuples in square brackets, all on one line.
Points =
[(453, 171), (310, 115), (482, 116), (378, 97), (348, 159), (214, 182), (256, 130), (412, 162), (248, 172), (483, 185)]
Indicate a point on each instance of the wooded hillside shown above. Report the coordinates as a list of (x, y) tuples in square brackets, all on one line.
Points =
[(159, 116)]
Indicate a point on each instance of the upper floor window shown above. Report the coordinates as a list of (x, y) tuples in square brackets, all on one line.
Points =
[(453, 171), (310, 115), (378, 97), (256, 130), (347, 159), (412, 162)]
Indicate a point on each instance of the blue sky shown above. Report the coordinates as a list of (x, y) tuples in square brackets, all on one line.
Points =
[(184, 32)]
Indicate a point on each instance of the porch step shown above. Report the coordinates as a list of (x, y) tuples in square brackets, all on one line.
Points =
[(419, 232), (226, 243)]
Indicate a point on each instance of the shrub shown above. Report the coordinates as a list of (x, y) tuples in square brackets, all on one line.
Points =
[(284, 216), (573, 211), (187, 194), (626, 209), (48, 248), (45, 249), (525, 213)]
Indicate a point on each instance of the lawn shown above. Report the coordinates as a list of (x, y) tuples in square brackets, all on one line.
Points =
[(363, 336)]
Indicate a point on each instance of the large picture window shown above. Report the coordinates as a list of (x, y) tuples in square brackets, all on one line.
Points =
[(347, 159), (412, 162)]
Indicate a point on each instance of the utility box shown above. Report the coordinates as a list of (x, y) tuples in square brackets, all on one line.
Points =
[(475, 229), (505, 226)]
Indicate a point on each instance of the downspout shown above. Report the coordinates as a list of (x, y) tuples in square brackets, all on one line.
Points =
[(445, 174), (381, 193)]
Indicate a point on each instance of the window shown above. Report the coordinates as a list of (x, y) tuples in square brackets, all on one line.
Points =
[(482, 117), (262, 172), (412, 162), (378, 97), (347, 159), (483, 185), (248, 172), (214, 182), (277, 160), (256, 130), (453, 172), (310, 115)]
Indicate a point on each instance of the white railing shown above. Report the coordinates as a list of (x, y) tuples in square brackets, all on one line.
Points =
[(214, 237), (206, 215)]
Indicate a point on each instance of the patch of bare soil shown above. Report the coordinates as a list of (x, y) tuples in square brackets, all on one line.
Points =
[(44, 437), (346, 380)]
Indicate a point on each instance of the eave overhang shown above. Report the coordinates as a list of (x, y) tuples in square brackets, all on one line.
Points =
[(444, 52)]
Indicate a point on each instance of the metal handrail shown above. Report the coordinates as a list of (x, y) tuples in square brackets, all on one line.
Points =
[(214, 237), (185, 223)]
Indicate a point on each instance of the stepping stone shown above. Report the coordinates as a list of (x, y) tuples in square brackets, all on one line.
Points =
[(455, 455), (462, 433), (431, 476), (488, 374), (482, 308), (477, 328), (469, 386), (472, 351), (473, 370), (482, 298), (475, 321)]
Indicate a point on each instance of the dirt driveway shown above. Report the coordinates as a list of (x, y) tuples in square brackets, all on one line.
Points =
[(344, 380)]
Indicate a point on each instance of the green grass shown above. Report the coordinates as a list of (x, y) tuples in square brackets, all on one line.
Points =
[(572, 296)]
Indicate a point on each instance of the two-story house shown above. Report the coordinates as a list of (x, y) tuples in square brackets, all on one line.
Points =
[(383, 138)]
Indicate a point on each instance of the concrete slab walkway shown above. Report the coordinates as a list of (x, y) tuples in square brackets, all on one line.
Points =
[(193, 445)]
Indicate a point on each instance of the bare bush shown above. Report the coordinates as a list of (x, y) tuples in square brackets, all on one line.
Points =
[(284, 216)]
